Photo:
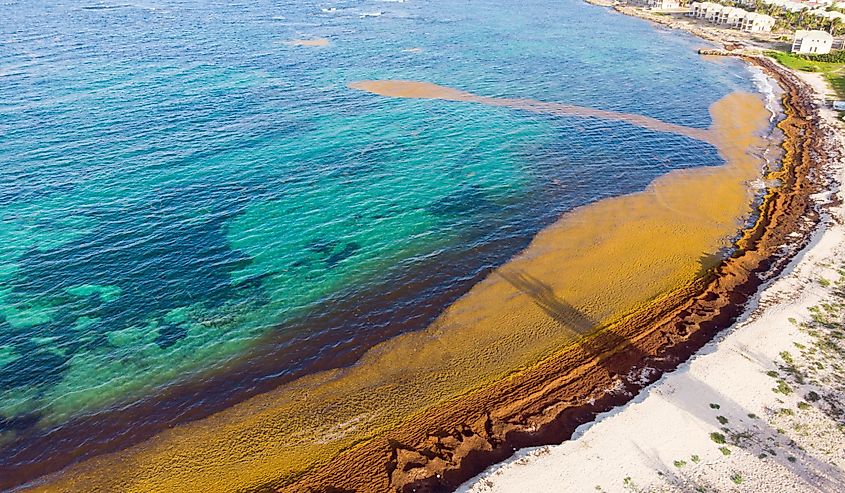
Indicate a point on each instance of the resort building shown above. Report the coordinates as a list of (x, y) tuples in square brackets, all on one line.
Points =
[(704, 10), (753, 22), (812, 42), (828, 15), (732, 17), (788, 5), (655, 4)]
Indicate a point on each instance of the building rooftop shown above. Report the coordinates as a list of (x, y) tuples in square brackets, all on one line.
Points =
[(802, 33)]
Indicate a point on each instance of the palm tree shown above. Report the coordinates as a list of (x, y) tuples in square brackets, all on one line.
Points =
[(835, 26)]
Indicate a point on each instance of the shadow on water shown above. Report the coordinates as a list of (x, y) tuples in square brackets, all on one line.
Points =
[(634, 368), (622, 368), (745, 431), (543, 296)]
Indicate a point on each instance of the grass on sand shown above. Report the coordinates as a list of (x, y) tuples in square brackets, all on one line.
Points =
[(834, 72)]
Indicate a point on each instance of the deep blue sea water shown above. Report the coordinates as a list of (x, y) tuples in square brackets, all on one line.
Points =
[(180, 184)]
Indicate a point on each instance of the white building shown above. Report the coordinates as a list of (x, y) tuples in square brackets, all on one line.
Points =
[(753, 22), (812, 42), (732, 17), (829, 15), (655, 4), (704, 10), (788, 5)]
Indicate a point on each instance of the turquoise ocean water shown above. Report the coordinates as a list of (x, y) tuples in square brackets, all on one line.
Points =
[(185, 195)]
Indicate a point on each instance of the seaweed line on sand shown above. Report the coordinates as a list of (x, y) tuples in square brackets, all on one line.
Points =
[(442, 447)]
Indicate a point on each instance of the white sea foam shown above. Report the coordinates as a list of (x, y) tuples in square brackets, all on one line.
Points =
[(764, 84)]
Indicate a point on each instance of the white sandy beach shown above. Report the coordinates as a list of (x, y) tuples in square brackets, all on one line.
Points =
[(758, 409)]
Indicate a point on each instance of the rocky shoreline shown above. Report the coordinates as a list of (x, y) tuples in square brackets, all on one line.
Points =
[(546, 403)]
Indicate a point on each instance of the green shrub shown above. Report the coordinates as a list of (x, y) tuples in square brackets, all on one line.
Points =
[(836, 56)]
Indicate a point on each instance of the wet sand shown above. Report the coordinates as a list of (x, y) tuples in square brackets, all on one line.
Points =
[(595, 266)]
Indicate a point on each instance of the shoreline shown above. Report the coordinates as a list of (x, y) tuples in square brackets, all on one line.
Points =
[(761, 386), (666, 201), (490, 440), (403, 456), (629, 445), (564, 392)]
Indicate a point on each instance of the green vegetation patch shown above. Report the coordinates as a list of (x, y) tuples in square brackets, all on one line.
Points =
[(834, 72), (782, 388)]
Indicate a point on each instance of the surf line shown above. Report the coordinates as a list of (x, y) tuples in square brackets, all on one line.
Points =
[(425, 90)]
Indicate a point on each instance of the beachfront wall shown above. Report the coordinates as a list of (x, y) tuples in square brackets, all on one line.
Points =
[(812, 42), (732, 17)]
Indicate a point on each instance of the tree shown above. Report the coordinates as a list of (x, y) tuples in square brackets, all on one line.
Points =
[(836, 27)]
